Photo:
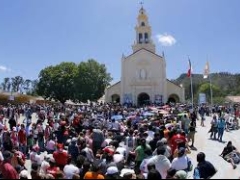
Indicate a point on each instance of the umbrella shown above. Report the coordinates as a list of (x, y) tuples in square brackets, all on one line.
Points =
[(117, 117), (166, 106), (131, 117), (153, 109), (147, 114), (182, 114), (163, 112)]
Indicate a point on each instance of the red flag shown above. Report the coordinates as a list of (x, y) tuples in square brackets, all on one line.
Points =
[(189, 73)]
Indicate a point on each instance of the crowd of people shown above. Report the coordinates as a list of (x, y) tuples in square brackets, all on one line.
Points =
[(105, 141)]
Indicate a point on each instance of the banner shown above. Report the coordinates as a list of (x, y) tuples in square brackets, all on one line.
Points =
[(11, 98), (128, 98), (158, 99), (202, 98)]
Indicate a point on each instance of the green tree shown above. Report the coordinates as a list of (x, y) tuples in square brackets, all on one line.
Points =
[(57, 82), (17, 83), (91, 80), (5, 83), (205, 88), (26, 85), (9, 85), (33, 89), (219, 100)]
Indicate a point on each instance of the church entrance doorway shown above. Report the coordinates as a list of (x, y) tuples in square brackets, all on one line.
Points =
[(143, 99), (173, 98), (115, 98)]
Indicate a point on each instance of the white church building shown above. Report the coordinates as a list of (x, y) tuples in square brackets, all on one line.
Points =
[(143, 73)]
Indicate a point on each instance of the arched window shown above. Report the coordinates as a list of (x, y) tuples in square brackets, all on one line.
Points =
[(142, 74), (140, 38), (146, 37), (142, 24)]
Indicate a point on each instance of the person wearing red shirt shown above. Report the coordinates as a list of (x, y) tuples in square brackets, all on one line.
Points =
[(53, 169), (60, 156), (177, 139), (22, 139), (8, 171)]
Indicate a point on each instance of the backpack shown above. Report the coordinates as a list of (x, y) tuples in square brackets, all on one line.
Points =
[(189, 165), (196, 173)]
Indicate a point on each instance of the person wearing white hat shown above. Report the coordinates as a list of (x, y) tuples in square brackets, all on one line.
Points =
[(126, 171), (34, 156), (45, 165), (24, 174), (112, 172)]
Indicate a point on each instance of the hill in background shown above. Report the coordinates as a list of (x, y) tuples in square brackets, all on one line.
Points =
[(223, 84)]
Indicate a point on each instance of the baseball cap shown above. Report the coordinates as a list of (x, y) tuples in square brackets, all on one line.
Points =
[(14, 129), (112, 170), (24, 174), (126, 171)]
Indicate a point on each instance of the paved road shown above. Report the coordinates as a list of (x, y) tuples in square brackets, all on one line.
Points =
[(212, 149)]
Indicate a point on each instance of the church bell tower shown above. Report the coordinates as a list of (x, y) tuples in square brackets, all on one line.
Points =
[(143, 33)]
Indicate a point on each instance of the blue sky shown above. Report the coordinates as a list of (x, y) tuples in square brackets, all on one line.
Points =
[(36, 34)]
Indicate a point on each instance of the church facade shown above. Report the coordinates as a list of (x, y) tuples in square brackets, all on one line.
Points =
[(143, 73)]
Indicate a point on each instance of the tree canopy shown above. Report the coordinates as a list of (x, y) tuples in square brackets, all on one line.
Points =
[(57, 82), (69, 81), (91, 80)]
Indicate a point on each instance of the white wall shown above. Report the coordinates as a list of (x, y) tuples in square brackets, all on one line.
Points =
[(155, 74)]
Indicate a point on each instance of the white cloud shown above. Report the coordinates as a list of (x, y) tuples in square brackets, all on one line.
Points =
[(166, 39), (4, 69)]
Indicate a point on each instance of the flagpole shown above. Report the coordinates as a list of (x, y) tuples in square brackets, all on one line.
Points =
[(210, 82), (211, 92), (191, 80), (191, 89)]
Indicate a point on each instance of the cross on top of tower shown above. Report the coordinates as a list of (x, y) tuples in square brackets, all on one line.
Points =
[(141, 9)]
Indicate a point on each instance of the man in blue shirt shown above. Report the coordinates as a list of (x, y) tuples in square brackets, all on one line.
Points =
[(221, 128)]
